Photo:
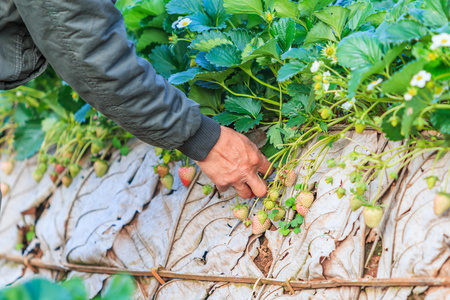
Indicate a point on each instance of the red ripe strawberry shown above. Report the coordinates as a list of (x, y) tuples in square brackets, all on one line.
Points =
[(280, 214), (441, 203), (305, 198), (372, 216), (240, 211), (302, 210), (167, 181), (187, 174), (289, 177), (54, 176), (4, 189), (100, 167), (67, 180), (7, 167), (162, 170), (59, 168), (257, 227)]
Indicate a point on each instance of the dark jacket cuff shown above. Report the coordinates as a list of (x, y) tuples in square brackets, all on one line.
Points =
[(200, 144)]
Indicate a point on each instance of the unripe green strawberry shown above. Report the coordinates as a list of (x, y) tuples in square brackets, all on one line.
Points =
[(43, 167), (361, 187), (273, 195), (158, 151), (441, 203), (52, 160), (207, 189), (7, 167), (341, 165), (431, 181), (257, 227), (4, 189), (305, 198), (100, 167), (262, 216), (100, 131), (326, 113), (43, 158), (247, 222), (37, 175), (329, 179), (420, 123), (187, 174), (269, 204), (97, 146), (356, 202), (331, 163), (65, 161), (302, 210), (167, 181), (393, 175), (280, 214), (240, 211), (372, 216), (54, 176), (166, 158), (360, 125), (66, 180), (74, 169), (289, 177), (162, 170), (340, 191), (59, 168), (394, 121)]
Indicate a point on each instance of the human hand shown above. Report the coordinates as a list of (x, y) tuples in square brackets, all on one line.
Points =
[(234, 161)]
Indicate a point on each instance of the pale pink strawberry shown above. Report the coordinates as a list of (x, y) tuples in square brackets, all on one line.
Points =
[(257, 227), (162, 170), (7, 167), (305, 198), (441, 203), (240, 211), (4, 189), (302, 210), (372, 215), (187, 174), (289, 177)]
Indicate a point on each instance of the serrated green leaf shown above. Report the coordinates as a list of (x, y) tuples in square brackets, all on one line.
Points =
[(359, 50), (267, 49), (216, 11), (226, 118), (247, 106), (134, 15), (28, 139), (275, 137), (376, 18), (297, 53), (207, 98), (391, 132), (428, 17), (184, 6), (413, 108), (124, 150), (240, 37), (401, 79), (76, 288), (296, 121), (297, 230), (208, 40), (119, 287), (358, 14), (168, 61), (402, 31), (250, 7), (116, 143), (397, 10), (225, 55), (307, 7), (214, 76), (286, 8), (440, 119), (284, 31), (151, 36), (288, 70), (201, 22), (335, 16), (185, 76), (246, 123), (320, 32)]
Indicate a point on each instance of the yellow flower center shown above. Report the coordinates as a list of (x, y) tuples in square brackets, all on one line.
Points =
[(444, 41), (318, 85), (329, 51), (432, 56), (419, 77)]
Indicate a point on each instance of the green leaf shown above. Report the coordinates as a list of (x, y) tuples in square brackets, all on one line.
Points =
[(275, 137), (284, 31), (402, 31), (48, 124), (224, 55), (267, 49), (401, 79), (307, 7), (184, 6), (151, 36), (168, 61), (396, 11), (214, 76), (246, 123), (208, 40), (358, 50), (296, 121), (376, 18), (393, 133), (297, 230), (412, 110), (207, 98), (76, 288), (335, 16), (119, 287), (42, 289), (321, 32), (124, 150), (51, 99), (240, 37), (226, 118), (28, 139), (240, 105), (185, 76), (286, 8), (116, 143), (359, 12), (440, 119), (201, 22), (250, 7), (216, 11), (297, 53), (289, 70)]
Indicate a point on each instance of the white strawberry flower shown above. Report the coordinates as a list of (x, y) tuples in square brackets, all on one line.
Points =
[(420, 79), (347, 105), (410, 94), (315, 66), (373, 84), (325, 75), (440, 40), (184, 22), (407, 96), (326, 86)]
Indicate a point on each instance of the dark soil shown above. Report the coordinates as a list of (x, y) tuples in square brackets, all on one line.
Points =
[(372, 267), (265, 258)]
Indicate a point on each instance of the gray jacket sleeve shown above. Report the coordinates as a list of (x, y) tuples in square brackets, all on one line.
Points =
[(85, 42)]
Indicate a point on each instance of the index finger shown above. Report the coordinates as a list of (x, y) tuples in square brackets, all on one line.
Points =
[(264, 166)]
